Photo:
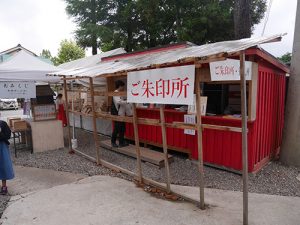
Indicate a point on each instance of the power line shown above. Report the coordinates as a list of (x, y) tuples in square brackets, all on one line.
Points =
[(267, 17)]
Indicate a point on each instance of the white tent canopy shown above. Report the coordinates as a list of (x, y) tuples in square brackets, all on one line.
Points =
[(26, 67), (89, 62)]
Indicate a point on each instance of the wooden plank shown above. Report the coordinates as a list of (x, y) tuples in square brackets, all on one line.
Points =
[(95, 132), (108, 116), (199, 140), (104, 93), (181, 125), (78, 90), (74, 78), (147, 155), (165, 147), (68, 116), (224, 128), (253, 93), (137, 143), (244, 138), (170, 147), (81, 113)]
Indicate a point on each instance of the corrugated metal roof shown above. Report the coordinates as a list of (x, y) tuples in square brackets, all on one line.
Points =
[(90, 60), (138, 62)]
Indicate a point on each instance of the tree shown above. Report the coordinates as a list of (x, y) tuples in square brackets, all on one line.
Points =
[(68, 51), (46, 54), (140, 24), (242, 24), (286, 58), (90, 17)]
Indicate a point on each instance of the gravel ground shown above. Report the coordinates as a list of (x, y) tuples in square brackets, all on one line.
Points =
[(3, 202), (274, 179)]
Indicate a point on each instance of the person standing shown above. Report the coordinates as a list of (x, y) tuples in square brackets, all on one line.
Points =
[(60, 107), (119, 107), (6, 167)]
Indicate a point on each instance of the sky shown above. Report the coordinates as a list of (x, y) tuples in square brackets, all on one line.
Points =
[(42, 24)]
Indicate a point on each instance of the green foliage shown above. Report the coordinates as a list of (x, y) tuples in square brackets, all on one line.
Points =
[(46, 54), (67, 52), (286, 58), (139, 24)]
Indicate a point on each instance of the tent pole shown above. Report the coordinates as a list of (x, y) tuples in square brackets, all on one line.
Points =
[(244, 137), (68, 117)]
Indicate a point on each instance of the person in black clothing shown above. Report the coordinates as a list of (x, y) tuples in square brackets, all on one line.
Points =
[(118, 107)]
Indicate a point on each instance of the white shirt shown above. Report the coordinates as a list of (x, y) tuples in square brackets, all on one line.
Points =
[(120, 104)]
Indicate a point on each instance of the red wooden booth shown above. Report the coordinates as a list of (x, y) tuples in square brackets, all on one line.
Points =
[(266, 100)]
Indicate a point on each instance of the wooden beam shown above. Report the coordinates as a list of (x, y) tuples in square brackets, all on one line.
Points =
[(104, 93), (181, 125), (68, 116), (108, 116), (165, 146), (95, 132), (195, 60), (252, 99), (199, 140), (81, 114), (74, 78), (78, 90), (137, 144), (224, 128), (244, 137)]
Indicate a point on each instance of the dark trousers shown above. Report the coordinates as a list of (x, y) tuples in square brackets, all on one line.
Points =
[(119, 128)]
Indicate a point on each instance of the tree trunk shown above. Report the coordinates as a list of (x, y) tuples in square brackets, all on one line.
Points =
[(290, 153), (94, 22), (242, 19)]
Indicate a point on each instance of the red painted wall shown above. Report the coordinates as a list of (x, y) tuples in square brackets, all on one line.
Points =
[(223, 148)]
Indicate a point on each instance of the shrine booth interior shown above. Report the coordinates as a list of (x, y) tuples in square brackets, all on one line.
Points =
[(222, 127)]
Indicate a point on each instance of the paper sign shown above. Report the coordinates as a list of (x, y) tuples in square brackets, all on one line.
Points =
[(173, 85), (191, 119), (203, 105), (44, 112), (17, 89), (228, 70)]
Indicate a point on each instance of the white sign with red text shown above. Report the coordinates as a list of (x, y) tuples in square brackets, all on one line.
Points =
[(174, 85), (229, 70)]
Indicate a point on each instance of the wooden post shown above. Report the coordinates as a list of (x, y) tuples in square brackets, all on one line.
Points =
[(165, 146), (199, 139), (244, 137), (67, 114), (137, 144), (95, 132), (80, 107)]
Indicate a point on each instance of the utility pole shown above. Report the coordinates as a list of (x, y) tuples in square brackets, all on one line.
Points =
[(290, 152)]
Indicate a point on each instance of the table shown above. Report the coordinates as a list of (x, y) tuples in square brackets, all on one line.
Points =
[(16, 134)]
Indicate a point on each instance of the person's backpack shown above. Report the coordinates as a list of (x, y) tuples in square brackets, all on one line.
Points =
[(113, 109)]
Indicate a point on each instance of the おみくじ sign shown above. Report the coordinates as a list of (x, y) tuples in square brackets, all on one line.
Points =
[(228, 70), (173, 85), (17, 89)]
